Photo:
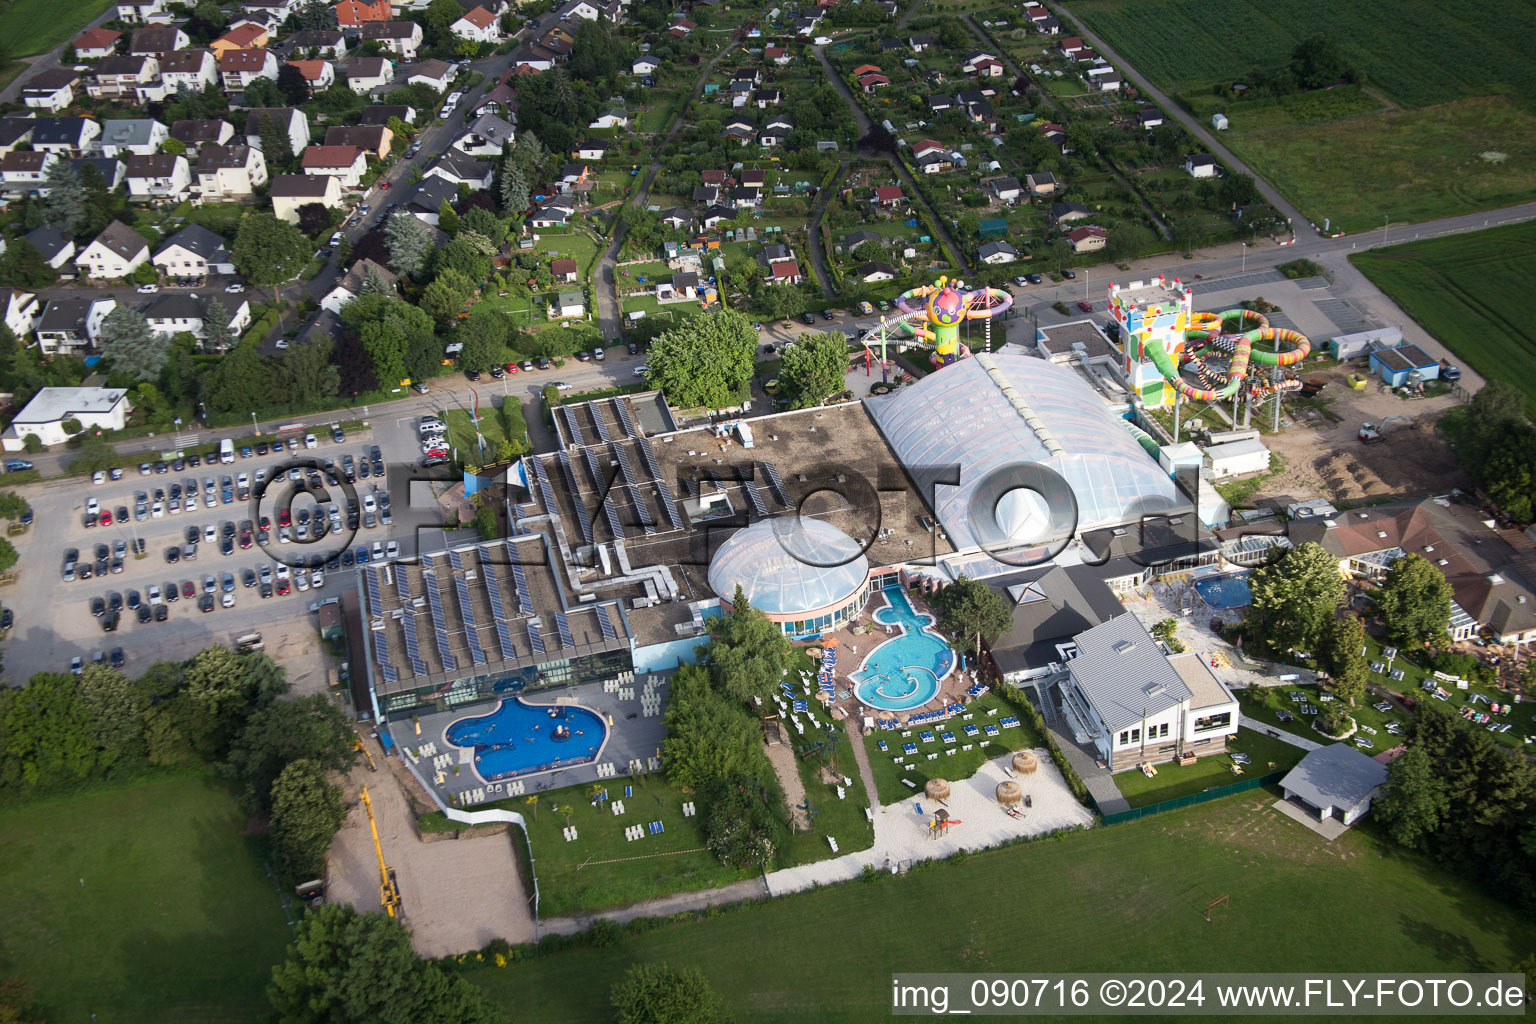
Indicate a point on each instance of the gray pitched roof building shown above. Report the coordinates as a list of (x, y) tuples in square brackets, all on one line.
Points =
[(1336, 780), (1124, 674)]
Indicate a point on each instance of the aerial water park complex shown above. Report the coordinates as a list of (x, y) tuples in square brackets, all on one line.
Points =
[(933, 313)]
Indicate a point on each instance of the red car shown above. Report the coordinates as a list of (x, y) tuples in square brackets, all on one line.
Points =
[(511, 367), (188, 589), (384, 184), (282, 586), (106, 518), (1085, 305), (284, 518)]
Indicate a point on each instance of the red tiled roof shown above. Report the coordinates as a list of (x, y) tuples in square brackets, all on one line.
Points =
[(886, 193), (561, 268), (97, 39), (243, 60), (331, 156), (786, 269), (242, 36), (480, 18), (312, 70)]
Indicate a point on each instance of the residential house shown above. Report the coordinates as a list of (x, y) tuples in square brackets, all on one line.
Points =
[(1065, 213), (115, 253), (765, 98), (191, 254), (402, 38), (239, 68), (139, 12), (1334, 783), (784, 272), (777, 54), (54, 414), (567, 305), (775, 131), (548, 216), (427, 196), (716, 214), (318, 74), (373, 139), (927, 147), (156, 41), (746, 197), (971, 59), (347, 164), (1089, 238), (865, 69), (140, 136), (872, 81), (159, 176), (485, 136), (23, 174), (230, 172), (291, 191), (889, 197), (853, 240), (1200, 165), (380, 113), (920, 42), (21, 312), (677, 218), (453, 166), (14, 132), (196, 134), (182, 71), (273, 12), (1071, 46), (1149, 118), (681, 287), (71, 325), (325, 43), (244, 36), (575, 177), (740, 133), (610, 119), (66, 136), (435, 74), (110, 169), (940, 102), (995, 253), (1140, 706), (365, 74), (875, 271), (355, 13), (1111, 82), (644, 66), (986, 67), (51, 90), (479, 25), (681, 29), (1041, 183), (182, 313), (591, 150), (1006, 187), (563, 271), (118, 77), (289, 121), (55, 247), (96, 43), (353, 284), (935, 162)]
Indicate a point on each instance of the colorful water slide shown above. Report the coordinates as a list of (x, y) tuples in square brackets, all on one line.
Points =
[(1209, 333)]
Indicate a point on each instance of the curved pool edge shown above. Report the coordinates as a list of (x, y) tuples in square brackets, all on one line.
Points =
[(474, 762), (925, 623)]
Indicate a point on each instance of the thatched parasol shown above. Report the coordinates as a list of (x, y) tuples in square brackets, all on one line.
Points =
[(937, 789), (1010, 793), (1025, 763)]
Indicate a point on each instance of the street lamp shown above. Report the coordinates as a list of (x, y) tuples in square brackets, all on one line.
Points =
[(1245, 258), (1384, 229)]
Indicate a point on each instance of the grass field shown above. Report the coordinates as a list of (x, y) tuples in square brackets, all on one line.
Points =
[(37, 26), (1473, 293), (1131, 894), (962, 765), (1173, 781), (140, 902)]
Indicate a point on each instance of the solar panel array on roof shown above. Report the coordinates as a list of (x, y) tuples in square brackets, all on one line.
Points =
[(642, 511), (371, 582), (564, 626), (535, 638), (543, 482), (594, 466), (403, 585), (524, 598), (668, 505), (583, 521), (412, 644), (439, 621), (776, 484), (648, 456), (471, 628), (754, 499), (622, 412), (690, 486), (454, 559), (624, 466), (381, 655), (498, 608), (572, 425), (597, 420), (605, 624), (611, 511)]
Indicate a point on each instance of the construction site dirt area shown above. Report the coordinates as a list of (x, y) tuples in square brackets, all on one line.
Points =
[(457, 894), (1324, 456)]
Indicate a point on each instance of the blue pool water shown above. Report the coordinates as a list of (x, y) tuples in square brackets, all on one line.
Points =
[(521, 739), (904, 672), (1225, 592)]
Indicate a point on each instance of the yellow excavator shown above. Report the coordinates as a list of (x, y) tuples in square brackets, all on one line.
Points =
[(357, 744), (389, 886)]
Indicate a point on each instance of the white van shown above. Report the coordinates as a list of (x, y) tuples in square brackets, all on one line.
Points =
[(226, 451)]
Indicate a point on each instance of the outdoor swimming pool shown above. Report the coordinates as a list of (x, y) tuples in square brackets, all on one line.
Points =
[(522, 739), (904, 672), (1225, 592)]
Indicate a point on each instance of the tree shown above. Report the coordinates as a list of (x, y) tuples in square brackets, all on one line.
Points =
[(281, 732), (1415, 799), (264, 93), (469, 254), (98, 201), (64, 205), (314, 218), (514, 185), (269, 252), (1238, 189), (132, 347), (482, 222), (813, 369), (1415, 602), (346, 966), (47, 732), (308, 375), (447, 218), (410, 243), (1295, 596), (484, 337), (448, 292), (217, 335), (12, 505), (749, 651), (292, 84), (1167, 631), (661, 994), (242, 373), (384, 341), (709, 735), (740, 825), (706, 361), (8, 555), (221, 689), (868, 251), (22, 266), (970, 611), (1316, 62), (114, 708), (18, 1002), (1341, 653), (307, 812)]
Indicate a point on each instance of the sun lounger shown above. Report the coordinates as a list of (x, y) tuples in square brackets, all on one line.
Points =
[(909, 783), (948, 737), (933, 757), (992, 730), (842, 794), (971, 730), (909, 748), (882, 746), (951, 752), (869, 815), (926, 737), (832, 843)]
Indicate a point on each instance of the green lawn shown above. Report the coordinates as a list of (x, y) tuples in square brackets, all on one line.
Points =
[(961, 765), (1171, 780), (843, 819), (141, 902), (1471, 292), (496, 424), (568, 246), (1100, 900), (36, 26)]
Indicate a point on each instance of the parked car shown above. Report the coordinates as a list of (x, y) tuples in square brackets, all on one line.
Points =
[(1085, 305)]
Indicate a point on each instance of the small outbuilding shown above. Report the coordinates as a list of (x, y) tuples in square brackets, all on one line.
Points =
[(1336, 781), (1236, 458), (1219, 122), (1406, 364)]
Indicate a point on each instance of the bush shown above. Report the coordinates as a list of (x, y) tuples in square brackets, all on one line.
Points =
[(32, 443), (72, 426)]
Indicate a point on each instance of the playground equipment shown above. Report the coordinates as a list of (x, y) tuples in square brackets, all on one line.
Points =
[(931, 314), (389, 886)]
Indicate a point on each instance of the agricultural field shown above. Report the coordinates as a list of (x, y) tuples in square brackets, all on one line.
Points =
[(37, 26), (1472, 292), (1151, 880), (1409, 145)]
